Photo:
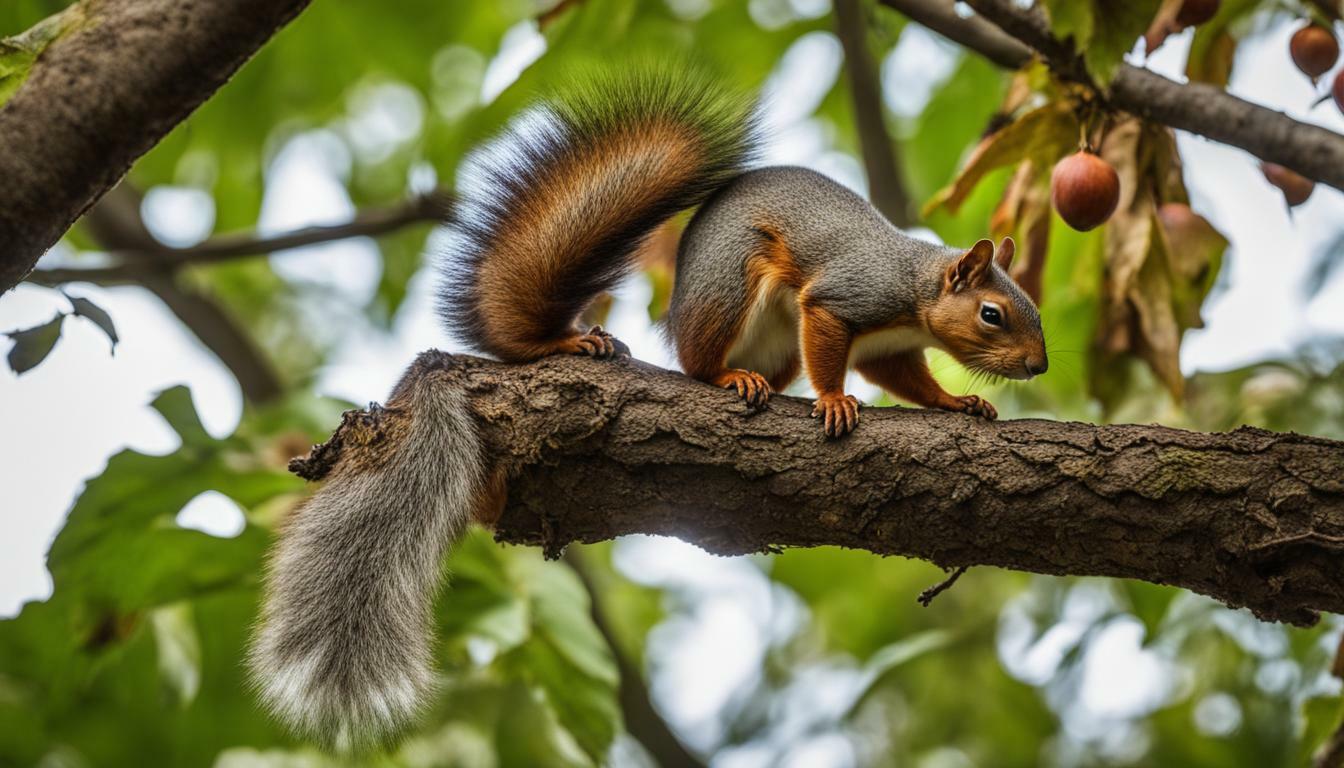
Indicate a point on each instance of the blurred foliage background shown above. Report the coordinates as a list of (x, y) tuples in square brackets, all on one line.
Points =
[(819, 657)]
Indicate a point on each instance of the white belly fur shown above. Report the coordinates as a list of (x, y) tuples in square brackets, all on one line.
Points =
[(889, 342), (770, 335)]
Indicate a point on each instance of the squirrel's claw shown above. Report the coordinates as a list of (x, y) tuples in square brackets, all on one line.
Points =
[(751, 386), (839, 413), (598, 343), (975, 406)]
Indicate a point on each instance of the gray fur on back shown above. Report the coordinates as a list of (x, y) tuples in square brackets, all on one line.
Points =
[(872, 271), (343, 650)]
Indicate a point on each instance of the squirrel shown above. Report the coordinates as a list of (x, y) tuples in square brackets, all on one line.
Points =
[(780, 270)]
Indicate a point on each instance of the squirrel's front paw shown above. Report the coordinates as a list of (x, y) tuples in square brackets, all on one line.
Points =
[(839, 413), (751, 386), (974, 405)]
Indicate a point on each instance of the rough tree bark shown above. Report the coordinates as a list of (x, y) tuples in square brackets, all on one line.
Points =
[(598, 449), (104, 93)]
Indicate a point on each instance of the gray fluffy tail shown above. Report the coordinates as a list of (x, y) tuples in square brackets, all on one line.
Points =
[(343, 653)]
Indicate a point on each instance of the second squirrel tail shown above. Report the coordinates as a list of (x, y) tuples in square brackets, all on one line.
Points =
[(571, 193), (343, 653)]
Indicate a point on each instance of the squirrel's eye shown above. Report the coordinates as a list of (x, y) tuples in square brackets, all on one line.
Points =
[(991, 314)]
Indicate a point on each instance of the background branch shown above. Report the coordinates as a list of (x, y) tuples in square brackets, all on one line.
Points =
[(100, 96), (970, 32), (642, 719), (886, 187), (150, 257), (1312, 151), (115, 222), (599, 449)]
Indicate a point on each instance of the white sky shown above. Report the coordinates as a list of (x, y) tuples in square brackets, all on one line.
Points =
[(62, 420)]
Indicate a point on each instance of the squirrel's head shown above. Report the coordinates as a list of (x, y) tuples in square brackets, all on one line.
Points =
[(984, 319)]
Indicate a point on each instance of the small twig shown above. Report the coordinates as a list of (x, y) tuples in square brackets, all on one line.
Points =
[(927, 595)]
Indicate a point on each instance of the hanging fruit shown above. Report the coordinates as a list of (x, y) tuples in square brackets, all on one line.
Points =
[(1295, 187), (1196, 12), (1314, 50), (1084, 190)]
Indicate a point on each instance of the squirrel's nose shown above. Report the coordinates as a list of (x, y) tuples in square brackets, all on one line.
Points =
[(1037, 366)]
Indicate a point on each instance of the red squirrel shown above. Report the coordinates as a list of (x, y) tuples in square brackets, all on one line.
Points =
[(781, 270)]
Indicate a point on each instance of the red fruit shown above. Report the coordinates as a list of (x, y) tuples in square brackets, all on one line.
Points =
[(1296, 188), (1085, 190), (1196, 12), (1314, 49), (1339, 90)]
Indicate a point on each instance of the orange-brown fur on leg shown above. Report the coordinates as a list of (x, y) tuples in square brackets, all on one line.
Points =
[(826, 341), (906, 375), (708, 332)]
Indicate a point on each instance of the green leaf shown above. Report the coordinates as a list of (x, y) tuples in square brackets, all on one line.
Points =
[(1071, 20), (1103, 30), (175, 406), (569, 659), (32, 345), (96, 314)]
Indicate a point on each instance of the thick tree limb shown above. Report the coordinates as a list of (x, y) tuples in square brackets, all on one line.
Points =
[(598, 449), (1312, 151), (103, 94)]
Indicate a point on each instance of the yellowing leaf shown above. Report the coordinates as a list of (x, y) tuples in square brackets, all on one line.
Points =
[(1157, 274), (1042, 135), (1024, 215)]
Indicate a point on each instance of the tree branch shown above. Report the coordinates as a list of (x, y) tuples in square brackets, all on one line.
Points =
[(1312, 151), (114, 221), (970, 32), (598, 449), (100, 96), (155, 258), (642, 719), (881, 164)]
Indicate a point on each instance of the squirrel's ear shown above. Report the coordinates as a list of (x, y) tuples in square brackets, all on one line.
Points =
[(1004, 256), (971, 269)]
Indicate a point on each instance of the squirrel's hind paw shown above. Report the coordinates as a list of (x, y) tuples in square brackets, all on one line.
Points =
[(597, 343)]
